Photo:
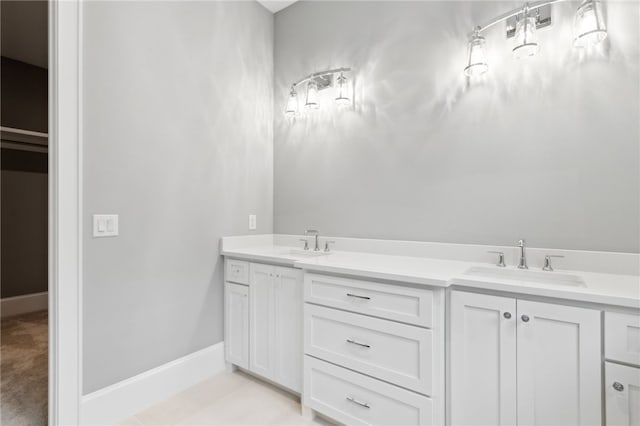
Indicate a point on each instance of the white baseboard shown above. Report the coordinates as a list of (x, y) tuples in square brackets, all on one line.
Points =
[(128, 397), (10, 306)]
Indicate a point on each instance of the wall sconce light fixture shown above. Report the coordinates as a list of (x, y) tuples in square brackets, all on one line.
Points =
[(525, 42), (312, 95), (343, 90), (522, 23), (477, 63), (317, 82), (589, 24), (292, 103)]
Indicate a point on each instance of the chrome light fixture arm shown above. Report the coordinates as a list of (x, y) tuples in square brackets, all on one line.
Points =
[(589, 29), (316, 82), (510, 14), (319, 74)]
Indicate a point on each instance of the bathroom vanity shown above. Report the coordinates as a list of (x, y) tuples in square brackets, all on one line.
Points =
[(374, 338), (263, 321)]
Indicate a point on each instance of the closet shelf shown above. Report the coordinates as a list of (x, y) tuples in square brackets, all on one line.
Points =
[(25, 140)]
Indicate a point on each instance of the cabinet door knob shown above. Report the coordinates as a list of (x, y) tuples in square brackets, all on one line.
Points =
[(525, 318), (507, 315), (618, 386)]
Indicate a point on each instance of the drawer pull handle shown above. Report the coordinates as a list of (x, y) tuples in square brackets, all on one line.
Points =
[(618, 386), (359, 297), (353, 342), (360, 403)]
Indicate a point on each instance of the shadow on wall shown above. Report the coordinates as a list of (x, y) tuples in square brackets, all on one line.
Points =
[(431, 47)]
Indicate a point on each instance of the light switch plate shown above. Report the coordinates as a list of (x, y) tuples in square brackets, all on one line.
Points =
[(105, 225), (252, 222)]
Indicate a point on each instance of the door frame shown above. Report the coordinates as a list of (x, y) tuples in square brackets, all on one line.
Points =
[(65, 211)]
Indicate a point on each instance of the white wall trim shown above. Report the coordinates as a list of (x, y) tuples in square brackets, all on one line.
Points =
[(65, 211), (17, 305), (128, 397)]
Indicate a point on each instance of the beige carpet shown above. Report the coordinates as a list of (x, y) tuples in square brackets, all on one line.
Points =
[(23, 370)]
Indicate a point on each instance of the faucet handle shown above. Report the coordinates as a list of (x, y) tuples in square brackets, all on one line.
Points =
[(500, 258), (326, 245), (306, 243), (547, 261)]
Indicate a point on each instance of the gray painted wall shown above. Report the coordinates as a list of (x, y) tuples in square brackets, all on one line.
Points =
[(547, 149), (177, 141)]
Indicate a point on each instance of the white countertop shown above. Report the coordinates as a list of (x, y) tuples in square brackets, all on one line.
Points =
[(608, 289)]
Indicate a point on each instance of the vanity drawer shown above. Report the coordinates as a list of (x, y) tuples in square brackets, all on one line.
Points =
[(236, 271), (397, 353), (354, 399), (622, 337), (395, 302)]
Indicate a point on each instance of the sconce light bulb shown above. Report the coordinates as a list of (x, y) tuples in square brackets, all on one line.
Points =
[(589, 26), (477, 61), (343, 91), (292, 103), (312, 95), (525, 44)]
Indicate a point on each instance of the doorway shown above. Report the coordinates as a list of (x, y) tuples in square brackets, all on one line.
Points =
[(24, 197)]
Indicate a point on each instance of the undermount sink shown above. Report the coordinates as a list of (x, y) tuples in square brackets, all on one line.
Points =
[(304, 253), (555, 278)]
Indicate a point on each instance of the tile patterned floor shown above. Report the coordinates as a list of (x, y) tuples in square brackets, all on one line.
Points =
[(229, 399)]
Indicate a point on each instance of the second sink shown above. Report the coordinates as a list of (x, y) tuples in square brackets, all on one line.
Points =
[(304, 253), (555, 278)]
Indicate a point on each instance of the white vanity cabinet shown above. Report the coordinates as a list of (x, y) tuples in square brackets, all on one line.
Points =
[(622, 393), (559, 365), (263, 321), (622, 337), (622, 382), (522, 362), (483, 359), (275, 318), (236, 312), (236, 324), (374, 351)]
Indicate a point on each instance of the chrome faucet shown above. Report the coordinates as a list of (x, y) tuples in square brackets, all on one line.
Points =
[(316, 234), (522, 264), (547, 262), (500, 254)]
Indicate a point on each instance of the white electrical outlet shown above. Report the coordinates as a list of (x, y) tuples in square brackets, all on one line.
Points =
[(252, 222), (105, 225)]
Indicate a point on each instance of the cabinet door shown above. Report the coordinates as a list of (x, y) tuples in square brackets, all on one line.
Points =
[(559, 365), (288, 328), (236, 324), (622, 337), (483, 359), (622, 390), (262, 295)]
